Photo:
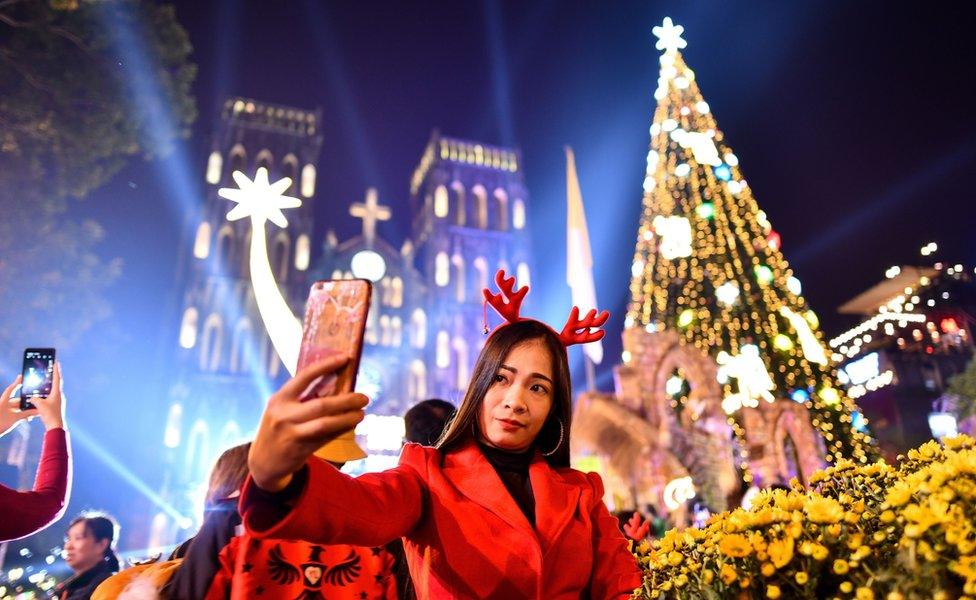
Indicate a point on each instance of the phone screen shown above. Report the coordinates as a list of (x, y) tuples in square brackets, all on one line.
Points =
[(38, 375), (335, 320)]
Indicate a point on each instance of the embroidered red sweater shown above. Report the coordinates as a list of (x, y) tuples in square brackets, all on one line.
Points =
[(261, 568), (27, 512)]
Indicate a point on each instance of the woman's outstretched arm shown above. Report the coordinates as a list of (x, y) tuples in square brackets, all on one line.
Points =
[(324, 505)]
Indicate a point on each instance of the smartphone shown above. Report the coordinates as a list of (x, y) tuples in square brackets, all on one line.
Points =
[(335, 322), (38, 375)]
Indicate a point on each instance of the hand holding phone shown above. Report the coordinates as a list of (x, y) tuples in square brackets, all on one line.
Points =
[(38, 376), (335, 321)]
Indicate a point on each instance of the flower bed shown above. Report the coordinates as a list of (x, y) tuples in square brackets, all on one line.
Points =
[(859, 531)]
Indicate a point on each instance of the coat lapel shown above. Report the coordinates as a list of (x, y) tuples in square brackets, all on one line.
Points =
[(555, 501), (475, 478)]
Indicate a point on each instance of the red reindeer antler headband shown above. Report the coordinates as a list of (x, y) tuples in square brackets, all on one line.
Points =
[(508, 303)]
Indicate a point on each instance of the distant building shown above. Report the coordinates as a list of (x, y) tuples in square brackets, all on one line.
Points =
[(468, 204), (916, 333), (224, 366)]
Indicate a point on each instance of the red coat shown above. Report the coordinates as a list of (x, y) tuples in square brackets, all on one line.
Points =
[(464, 535)]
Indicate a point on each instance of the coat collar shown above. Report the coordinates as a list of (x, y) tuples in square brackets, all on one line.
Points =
[(555, 499)]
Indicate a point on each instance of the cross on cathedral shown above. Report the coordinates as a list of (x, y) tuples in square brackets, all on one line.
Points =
[(370, 212)]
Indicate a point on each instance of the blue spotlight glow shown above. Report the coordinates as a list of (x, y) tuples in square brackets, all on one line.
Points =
[(90, 444)]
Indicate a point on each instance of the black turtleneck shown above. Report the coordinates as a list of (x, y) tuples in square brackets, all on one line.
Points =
[(513, 470)]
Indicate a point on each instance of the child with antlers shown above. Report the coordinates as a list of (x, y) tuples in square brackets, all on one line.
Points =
[(493, 511)]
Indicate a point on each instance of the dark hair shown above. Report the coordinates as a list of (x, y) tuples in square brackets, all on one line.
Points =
[(228, 475), (425, 421), (498, 346), (101, 526)]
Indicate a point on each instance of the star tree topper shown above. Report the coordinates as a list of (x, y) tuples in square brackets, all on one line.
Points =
[(259, 199), (262, 201), (669, 36)]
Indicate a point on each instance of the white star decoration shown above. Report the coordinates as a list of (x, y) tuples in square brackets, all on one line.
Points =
[(669, 36), (259, 199)]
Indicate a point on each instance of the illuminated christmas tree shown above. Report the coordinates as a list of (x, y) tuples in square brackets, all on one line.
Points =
[(708, 266)]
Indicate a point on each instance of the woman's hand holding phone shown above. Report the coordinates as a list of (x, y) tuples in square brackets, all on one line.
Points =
[(49, 409), (292, 428)]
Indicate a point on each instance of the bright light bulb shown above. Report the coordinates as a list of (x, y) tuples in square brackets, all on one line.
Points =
[(727, 293)]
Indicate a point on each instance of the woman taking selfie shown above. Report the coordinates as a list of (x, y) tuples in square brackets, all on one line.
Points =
[(28, 512), (494, 511)]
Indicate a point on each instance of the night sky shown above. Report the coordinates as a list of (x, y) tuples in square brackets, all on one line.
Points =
[(853, 122)]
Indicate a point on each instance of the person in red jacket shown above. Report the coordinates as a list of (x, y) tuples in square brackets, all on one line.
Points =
[(28, 512), (494, 511)]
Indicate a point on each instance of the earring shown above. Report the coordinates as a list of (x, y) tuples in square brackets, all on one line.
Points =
[(562, 431)]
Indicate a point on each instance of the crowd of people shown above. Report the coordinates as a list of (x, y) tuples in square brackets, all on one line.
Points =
[(483, 502)]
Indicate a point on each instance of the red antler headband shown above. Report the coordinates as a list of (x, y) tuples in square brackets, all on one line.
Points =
[(509, 302)]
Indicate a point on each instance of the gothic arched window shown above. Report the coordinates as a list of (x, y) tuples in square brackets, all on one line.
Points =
[(238, 159), (418, 326), (201, 244), (308, 181), (481, 272), (279, 255), (210, 342), (461, 364), (417, 383), (518, 214), (289, 169), (459, 199), (188, 328), (440, 202), (459, 279), (480, 205), (224, 250), (443, 358), (264, 159), (523, 274), (239, 351), (215, 165), (442, 269), (302, 252), (501, 201)]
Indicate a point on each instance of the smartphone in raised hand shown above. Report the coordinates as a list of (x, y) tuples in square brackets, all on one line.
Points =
[(335, 322), (38, 375)]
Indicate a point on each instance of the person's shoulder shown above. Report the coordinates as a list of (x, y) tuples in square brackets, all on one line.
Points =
[(586, 481), (419, 457)]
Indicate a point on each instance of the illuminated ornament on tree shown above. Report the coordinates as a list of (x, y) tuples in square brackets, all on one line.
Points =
[(793, 284), (682, 170), (723, 172), (812, 318), (830, 396), (763, 221), (262, 201), (686, 317), (705, 210), (800, 395), (669, 36), (727, 293), (678, 491), (773, 240), (752, 378), (858, 422), (675, 234), (949, 325), (701, 144), (674, 385), (813, 350), (782, 342), (764, 274)]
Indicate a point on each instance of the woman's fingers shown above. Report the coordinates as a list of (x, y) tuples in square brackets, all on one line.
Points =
[(297, 384), (9, 390), (322, 429), (314, 408)]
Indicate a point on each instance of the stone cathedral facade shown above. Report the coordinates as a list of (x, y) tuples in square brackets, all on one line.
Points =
[(468, 217)]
